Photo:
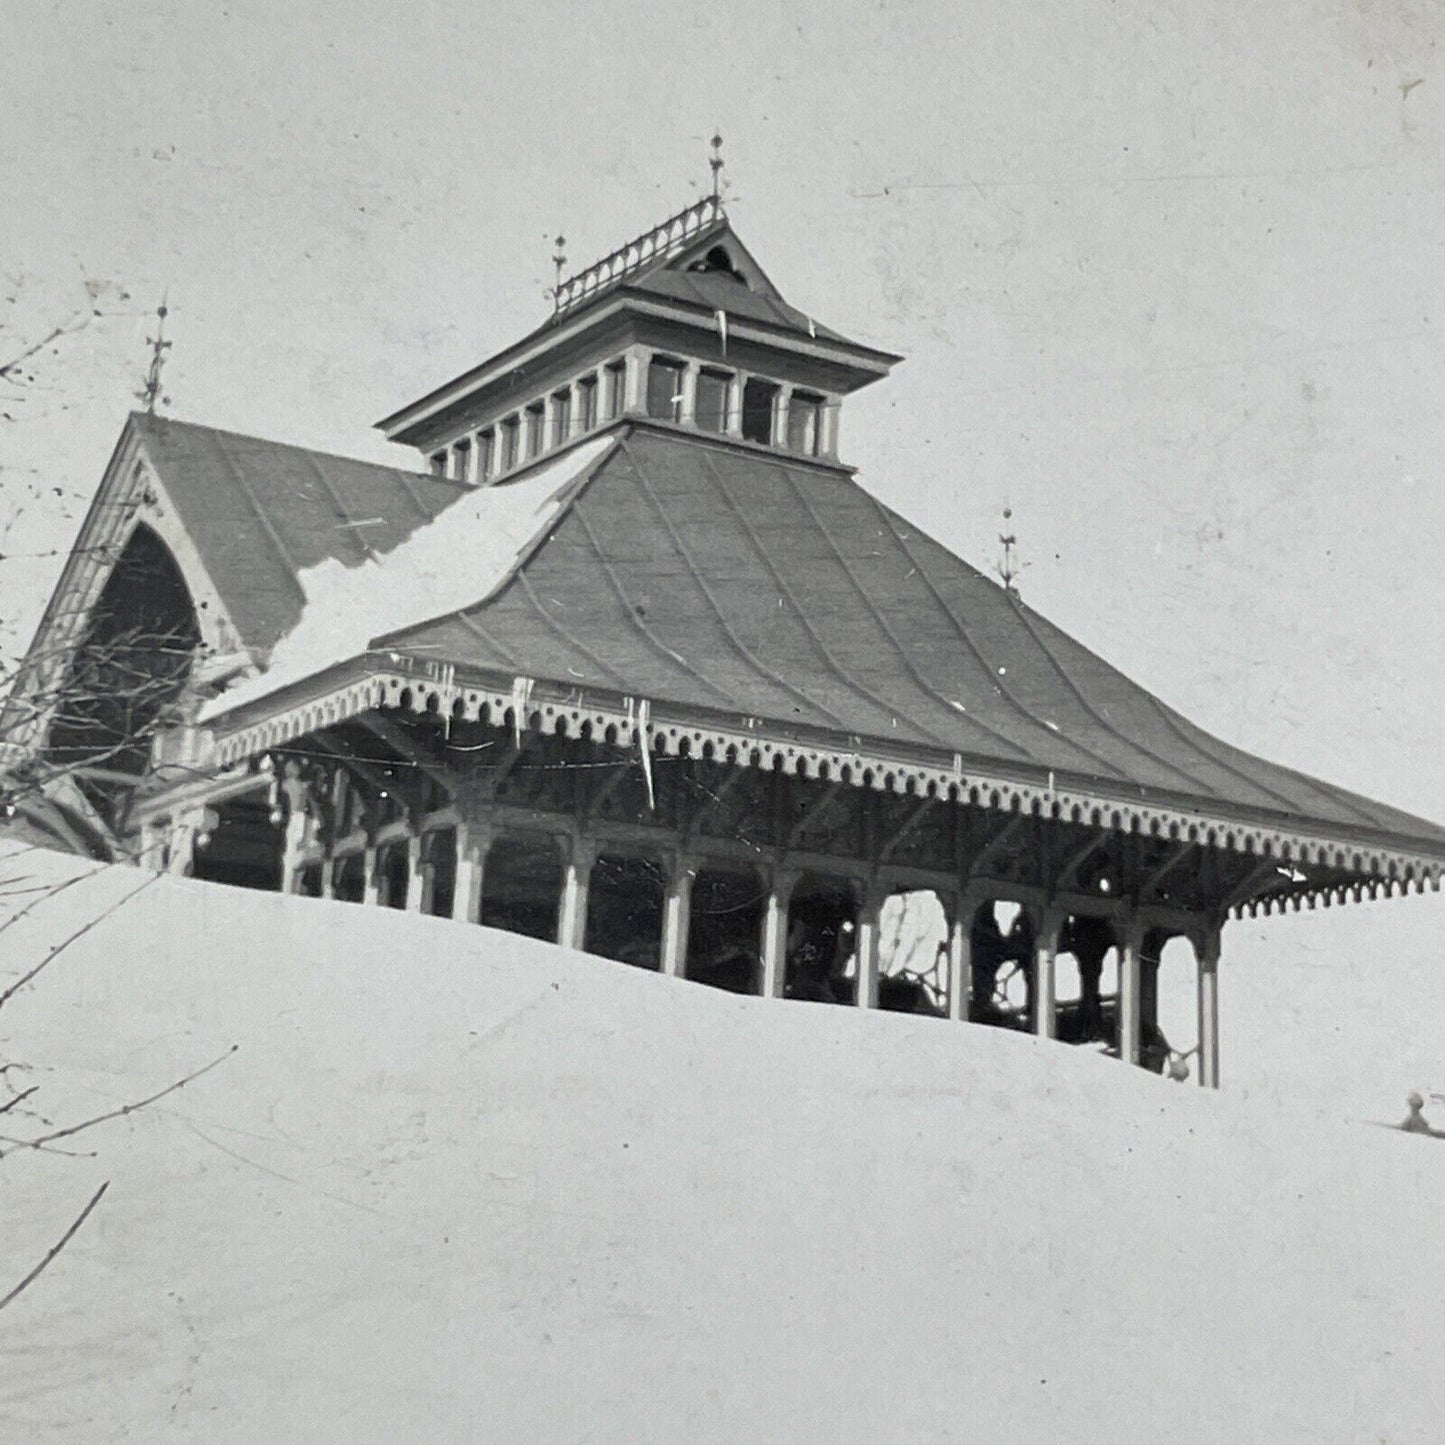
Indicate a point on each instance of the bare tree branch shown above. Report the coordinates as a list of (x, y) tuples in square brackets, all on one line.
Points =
[(45, 1139), (79, 933), (55, 1248)]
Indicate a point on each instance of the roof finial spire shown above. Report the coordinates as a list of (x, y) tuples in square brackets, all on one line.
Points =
[(1009, 567), (150, 392), (559, 257), (715, 161)]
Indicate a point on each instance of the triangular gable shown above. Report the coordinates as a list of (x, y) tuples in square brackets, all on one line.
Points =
[(723, 237)]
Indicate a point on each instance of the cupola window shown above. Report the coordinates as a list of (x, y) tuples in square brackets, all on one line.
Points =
[(561, 417), (461, 456), (664, 390), (614, 390), (587, 402), (805, 417), (486, 453), (759, 401), (511, 433), (712, 401), (536, 416)]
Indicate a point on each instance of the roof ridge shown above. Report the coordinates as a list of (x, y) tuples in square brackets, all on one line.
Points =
[(149, 421)]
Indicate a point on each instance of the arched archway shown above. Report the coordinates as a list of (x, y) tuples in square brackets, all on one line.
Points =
[(127, 671)]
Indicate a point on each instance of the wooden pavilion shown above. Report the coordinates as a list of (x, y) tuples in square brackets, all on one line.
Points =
[(635, 663)]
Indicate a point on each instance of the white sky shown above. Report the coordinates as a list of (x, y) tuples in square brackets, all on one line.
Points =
[(1168, 281)]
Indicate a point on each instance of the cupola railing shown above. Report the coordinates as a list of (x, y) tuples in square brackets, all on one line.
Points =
[(662, 240)]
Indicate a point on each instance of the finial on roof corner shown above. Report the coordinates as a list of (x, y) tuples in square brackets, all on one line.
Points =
[(150, 393), (716, 163), (1008, 566), (559, 265)]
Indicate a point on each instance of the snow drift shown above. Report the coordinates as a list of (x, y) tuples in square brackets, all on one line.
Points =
[(459, 1186)]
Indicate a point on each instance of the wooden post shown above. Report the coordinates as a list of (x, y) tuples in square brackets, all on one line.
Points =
[(415, 875), (182, 845), (775, 932), (866, 933), (634, 395), (370, 877), (1130, 947), (688, 412), (1207, 955), (677, 917), (781, 403), (960, 954), (572, 916), (1046, 949), (828, 426), (735, 403), (474, 842), (293, 851)]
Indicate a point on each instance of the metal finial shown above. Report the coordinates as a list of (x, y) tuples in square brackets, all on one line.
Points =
[(559, 264), (715, 161), (1009, 566), (150, 392)]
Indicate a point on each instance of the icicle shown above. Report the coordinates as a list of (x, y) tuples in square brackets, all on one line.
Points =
[(644, 746), (521, 699), (722, 329)]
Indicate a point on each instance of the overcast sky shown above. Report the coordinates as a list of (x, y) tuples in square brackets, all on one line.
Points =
[(1168, 279)]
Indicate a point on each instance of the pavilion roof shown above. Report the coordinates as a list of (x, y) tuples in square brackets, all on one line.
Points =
[(722, 581)]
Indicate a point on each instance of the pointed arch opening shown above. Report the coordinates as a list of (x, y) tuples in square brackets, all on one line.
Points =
[(126, 674)]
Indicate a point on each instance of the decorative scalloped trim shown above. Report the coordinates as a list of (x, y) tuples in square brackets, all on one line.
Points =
[(1395, 872)]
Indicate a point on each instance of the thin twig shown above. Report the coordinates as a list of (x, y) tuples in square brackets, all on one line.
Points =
[(49, 891), (55, 1248), (79, 933), (43, 1139), (19, 1098)]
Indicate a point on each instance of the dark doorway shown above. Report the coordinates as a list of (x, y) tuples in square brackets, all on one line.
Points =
[(393, 874), (726, 930), (348, 878), (439, 854), (624, 910), (821, 932), (243, 847), (522, 886)]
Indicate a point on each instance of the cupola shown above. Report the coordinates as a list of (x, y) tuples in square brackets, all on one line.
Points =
[(681, 328)]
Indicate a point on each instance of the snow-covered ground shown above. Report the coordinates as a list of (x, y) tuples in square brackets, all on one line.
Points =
[(456, 1186)]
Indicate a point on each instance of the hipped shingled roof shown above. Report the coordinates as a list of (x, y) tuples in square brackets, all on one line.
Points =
[(725, 581)]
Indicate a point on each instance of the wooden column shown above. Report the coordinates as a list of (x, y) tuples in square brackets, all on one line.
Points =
[(775, 932), (474, 842), (688, 412), (677, 917), (866, 933), (1130, 945), (780, 414), (1046, 994), (293, 851), (634, 393), (962, 912), (182, 848), (1207, 954), (415, 875), (828, 426), (370, 877), (572, 915), (735, 403)]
